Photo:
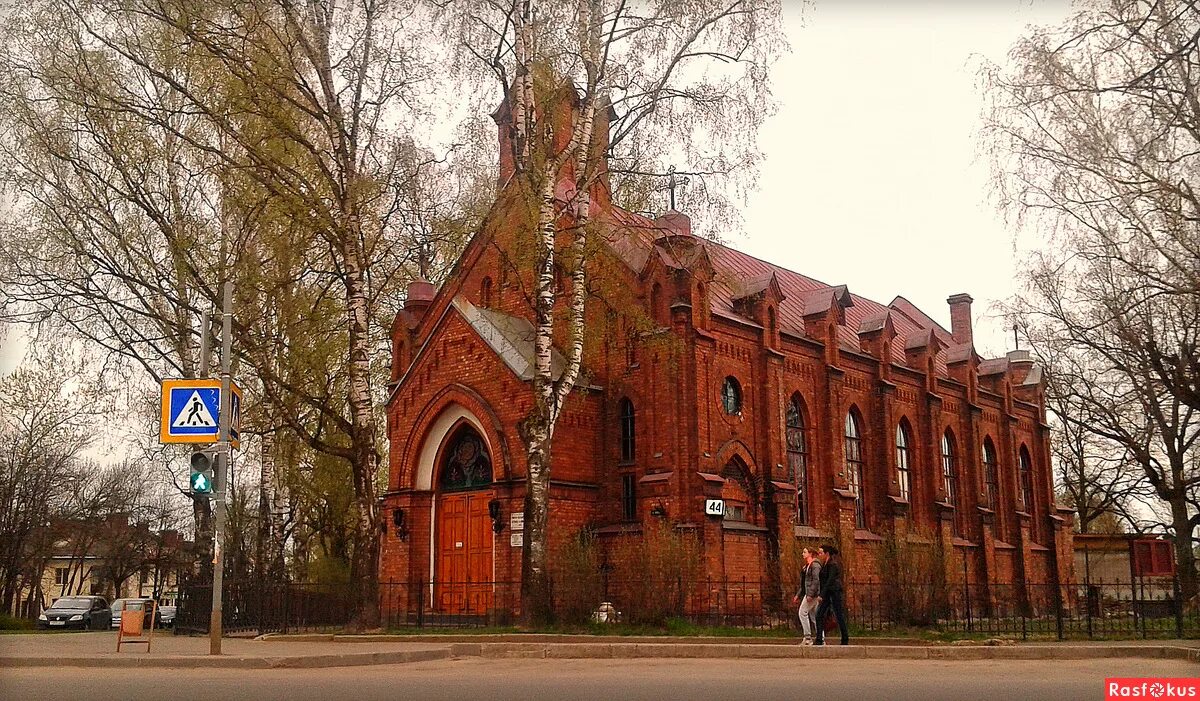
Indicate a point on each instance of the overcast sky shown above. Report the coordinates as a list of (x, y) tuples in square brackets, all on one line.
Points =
[(870, 177)]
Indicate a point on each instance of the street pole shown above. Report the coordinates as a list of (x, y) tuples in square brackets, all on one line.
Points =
[(221, 473), (205, 345)]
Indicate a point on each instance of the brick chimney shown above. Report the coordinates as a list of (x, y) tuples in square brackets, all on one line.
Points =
[(960, 317)]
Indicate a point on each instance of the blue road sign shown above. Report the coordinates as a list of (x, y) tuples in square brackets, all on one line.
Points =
[(191, 410)]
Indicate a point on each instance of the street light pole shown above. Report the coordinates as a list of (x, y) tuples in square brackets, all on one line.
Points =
[(221, 491)]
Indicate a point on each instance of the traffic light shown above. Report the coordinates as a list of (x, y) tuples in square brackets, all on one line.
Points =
[(204, 464)]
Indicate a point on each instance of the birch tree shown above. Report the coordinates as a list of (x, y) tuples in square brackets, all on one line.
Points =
[(165, 147), (670, 80)]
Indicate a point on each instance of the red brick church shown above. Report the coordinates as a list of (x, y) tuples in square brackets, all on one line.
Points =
[(809, 411)]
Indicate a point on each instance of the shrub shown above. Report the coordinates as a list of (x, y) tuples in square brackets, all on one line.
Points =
[(654, 574), (12, 623), (914, 578), (577, 581)]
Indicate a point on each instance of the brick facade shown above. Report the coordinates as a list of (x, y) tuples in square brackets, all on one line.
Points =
[(675, 316)]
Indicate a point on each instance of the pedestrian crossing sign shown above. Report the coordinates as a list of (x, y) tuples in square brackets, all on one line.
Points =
[(191, 412)]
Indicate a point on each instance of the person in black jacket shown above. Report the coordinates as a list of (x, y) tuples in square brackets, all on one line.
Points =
[(832, 596)]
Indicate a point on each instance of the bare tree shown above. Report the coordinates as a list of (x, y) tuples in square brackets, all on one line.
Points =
[(588, 84), (44, 426), (1095, 131), (1097, 476)]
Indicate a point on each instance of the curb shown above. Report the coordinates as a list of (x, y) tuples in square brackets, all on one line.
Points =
[(528, 638), (794, 651), (626, 650), (356, 659)]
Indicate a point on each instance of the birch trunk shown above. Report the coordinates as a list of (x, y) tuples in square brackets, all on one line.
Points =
[(550, 394), (264, 557), (364, 565)]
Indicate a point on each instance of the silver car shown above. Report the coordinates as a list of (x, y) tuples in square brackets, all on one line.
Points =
[(120, 604)]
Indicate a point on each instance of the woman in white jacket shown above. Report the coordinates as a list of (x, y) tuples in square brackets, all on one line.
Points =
[(806, 595)]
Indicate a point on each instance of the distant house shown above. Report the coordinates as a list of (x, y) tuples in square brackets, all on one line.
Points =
[(1124, 566), (104, 557)]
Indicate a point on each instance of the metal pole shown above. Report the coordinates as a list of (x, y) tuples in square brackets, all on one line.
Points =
[(224, 416)]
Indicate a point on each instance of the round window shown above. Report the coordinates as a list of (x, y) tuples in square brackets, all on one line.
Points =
[(731, 396)]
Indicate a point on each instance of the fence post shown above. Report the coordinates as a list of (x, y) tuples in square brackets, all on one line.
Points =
[(421, 604), (287, 606), (1058, 609), (967, 591), (1178, 606), (1133, 600), (1142, 597)]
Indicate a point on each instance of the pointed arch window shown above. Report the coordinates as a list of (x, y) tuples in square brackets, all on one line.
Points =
[(903, 460), (738, 492), (854, 468), (465, 463), (991, 486), (628, 428), (797, 455), (485, 292), (1026, 470), (950, 477)]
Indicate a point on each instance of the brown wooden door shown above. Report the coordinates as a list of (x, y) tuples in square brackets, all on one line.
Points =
[(463, 578)]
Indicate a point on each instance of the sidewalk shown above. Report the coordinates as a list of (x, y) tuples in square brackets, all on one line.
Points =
[(314, 651)]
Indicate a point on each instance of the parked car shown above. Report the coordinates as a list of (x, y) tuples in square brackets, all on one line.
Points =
[(166, 614), (121, 604), (86, 612)]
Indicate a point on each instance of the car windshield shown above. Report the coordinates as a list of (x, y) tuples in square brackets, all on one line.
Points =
[(72, 603)]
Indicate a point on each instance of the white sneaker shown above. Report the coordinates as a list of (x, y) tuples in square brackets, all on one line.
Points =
[(807, 641)]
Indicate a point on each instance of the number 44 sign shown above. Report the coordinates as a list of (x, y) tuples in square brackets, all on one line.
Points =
[(191, 412)]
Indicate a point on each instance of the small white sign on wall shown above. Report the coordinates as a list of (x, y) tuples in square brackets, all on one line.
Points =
[(516, 540), (714, 507), (516, 521)]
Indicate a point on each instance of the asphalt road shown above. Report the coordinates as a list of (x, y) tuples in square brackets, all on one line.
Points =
[(608, 680)]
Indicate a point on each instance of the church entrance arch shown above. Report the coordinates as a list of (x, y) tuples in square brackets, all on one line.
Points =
[(463, 552)]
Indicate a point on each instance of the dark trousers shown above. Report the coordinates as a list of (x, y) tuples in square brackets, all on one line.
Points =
[(836, 602)]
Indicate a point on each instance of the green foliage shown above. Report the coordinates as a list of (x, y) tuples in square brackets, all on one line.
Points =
[(12, 623), (655, 572), (578, 586), (914, 578)]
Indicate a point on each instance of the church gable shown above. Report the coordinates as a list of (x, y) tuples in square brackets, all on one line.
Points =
[(511, 338)]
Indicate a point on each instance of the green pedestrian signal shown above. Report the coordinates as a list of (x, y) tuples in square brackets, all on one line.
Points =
[(203, 464)]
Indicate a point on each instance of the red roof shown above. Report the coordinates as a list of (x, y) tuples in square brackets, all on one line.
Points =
[(633, 241)]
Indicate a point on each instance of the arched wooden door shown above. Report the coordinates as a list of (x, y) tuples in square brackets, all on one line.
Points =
[(463, 573)]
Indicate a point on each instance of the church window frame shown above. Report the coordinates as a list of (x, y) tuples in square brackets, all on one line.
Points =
[(731, 396), (855, 467), (628, 424), (796, 443), (904, 461)]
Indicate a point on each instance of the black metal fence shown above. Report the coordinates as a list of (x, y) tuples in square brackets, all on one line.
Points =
[(1145, 608)]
